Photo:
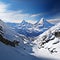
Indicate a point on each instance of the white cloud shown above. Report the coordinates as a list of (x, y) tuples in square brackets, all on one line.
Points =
[(34, 15), (54, 21), (15, 16)]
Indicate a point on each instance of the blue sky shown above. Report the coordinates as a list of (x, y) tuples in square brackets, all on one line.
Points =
[(30, 10)]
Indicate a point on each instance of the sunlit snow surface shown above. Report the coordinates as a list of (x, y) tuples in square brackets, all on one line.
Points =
[(44, 52)]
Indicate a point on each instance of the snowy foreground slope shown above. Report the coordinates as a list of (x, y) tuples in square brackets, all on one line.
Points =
[(47, 44), (8, 52)]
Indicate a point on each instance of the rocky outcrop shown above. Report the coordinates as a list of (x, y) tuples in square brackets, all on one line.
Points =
[(7, 42)]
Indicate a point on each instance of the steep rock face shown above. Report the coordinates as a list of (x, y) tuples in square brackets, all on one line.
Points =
[(7, 42)]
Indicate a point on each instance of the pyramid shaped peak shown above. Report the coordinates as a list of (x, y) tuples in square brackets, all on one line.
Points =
[(41, 21), (23, 20)]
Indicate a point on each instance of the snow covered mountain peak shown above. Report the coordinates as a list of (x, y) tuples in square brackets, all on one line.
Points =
[(25, 23), (41, 21)]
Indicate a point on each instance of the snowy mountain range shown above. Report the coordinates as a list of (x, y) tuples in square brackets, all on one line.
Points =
[(33, 30)]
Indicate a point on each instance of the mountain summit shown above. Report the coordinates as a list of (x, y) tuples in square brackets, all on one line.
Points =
[(43, 23), (24, 22)]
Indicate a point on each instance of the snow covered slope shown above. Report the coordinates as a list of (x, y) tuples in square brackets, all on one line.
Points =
[(11, 34), (10, 53), (47, 44)]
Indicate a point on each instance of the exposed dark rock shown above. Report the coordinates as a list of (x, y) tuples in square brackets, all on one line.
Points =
[(7, 42)]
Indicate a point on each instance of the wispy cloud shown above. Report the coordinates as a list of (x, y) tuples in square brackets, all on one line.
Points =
[(54, 21), (34, 15), (15, 16)]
